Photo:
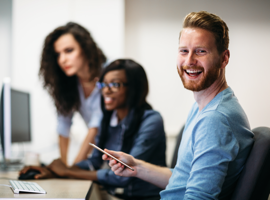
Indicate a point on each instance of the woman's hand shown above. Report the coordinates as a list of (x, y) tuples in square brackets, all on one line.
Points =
[(118, 168), (58, 167), (44, 172)]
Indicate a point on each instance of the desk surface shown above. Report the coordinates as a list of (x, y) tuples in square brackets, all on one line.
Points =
[(55, 188)]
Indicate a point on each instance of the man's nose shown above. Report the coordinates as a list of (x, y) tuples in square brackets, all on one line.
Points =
[(191, 59)]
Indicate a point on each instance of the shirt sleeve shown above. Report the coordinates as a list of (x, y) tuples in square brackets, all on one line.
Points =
[(64, 124), (86, 165), (95, 119), (214, 146), (150, 135), (96, 114), (94, 161)]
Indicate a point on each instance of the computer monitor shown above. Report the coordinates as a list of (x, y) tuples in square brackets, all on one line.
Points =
[(15, 119), (5, 120), (20, 116)]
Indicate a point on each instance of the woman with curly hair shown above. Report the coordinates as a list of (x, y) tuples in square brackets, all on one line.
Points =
[(70, 66)]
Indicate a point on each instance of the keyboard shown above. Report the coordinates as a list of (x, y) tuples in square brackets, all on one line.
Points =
[(23, 186)]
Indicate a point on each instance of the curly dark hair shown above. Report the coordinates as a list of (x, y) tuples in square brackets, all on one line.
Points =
[(62, 88), (136, 100)]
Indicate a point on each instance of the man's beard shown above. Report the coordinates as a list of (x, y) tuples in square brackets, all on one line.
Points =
[(205, 81)]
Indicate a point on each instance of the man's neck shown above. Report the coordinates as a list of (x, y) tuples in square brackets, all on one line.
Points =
[(205, 96)]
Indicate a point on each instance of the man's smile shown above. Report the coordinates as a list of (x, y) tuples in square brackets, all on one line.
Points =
[(193, 72)]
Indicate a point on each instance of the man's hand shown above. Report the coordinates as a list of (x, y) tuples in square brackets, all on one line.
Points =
[(154, 174), (58, 167), (44, 172), (118, 168)]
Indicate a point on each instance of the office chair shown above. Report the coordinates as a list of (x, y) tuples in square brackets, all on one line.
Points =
[(254, 181), (178, 141)]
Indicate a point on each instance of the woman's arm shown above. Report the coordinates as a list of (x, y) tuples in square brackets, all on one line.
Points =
[(63, 128), (44, 172), (57, 169), (61, 170), (63, 144), (76, 172), (86, 148)]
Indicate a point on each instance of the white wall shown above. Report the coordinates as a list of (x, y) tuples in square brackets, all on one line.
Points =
[(5, 39), (152, 28), (32, 21), (147, 31)]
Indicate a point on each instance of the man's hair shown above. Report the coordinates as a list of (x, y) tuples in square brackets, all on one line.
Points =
[(212, 23)]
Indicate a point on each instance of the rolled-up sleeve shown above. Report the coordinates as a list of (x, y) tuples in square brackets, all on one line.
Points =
[(64, 124), (94, 161), (85, 164), (145, 145)]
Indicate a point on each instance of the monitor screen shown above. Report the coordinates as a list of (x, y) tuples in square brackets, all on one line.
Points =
[(20, 116), (2, 119)]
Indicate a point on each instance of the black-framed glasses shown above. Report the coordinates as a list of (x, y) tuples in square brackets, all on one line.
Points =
[(114, 86)]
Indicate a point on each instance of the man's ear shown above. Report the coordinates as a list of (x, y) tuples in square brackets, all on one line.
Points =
[(225, 58)]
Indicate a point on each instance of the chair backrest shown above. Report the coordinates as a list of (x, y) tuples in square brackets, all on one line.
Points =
[(254, 181), (178, 141)]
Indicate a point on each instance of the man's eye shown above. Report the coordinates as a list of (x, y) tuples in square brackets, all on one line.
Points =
[(183, 51), (200, 52)]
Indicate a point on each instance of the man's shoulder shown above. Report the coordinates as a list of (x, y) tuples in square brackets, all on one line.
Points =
[(225, 115), (225, 104)]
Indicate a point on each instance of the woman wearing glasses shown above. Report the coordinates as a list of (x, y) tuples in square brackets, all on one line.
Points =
[(70, 64), (129, 124)]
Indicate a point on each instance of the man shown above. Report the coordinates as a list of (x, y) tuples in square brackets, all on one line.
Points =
[(217, 137)]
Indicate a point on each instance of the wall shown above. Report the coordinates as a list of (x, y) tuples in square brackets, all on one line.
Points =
[(5, 38), (147, 31), (152, 28), (32, 21)]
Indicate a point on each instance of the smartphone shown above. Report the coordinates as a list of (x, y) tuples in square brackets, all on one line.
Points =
[(111, 156)]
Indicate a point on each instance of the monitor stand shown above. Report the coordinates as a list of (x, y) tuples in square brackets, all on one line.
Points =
[(11, 165)]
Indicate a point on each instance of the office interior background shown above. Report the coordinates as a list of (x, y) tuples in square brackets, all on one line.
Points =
[(146, 31)]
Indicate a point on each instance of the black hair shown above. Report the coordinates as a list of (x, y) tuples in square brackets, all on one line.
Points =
[(136, 100)]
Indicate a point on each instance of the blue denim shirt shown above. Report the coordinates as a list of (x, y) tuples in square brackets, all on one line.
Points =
[(149, 145), (214, 147)]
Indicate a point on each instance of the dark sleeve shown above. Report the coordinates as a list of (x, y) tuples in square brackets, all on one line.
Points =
[(93, 162), (145, 145)]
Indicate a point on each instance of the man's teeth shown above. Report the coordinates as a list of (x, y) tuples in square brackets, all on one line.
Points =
[(193, 71)]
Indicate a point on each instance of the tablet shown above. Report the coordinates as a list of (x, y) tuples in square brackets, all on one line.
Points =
[(111, 156)]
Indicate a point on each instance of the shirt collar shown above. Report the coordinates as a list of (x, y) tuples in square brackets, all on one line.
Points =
[(126, 120), (81, 93), (114, 120)]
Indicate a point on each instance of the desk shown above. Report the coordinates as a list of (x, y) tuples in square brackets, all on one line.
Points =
[(55, 188)]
